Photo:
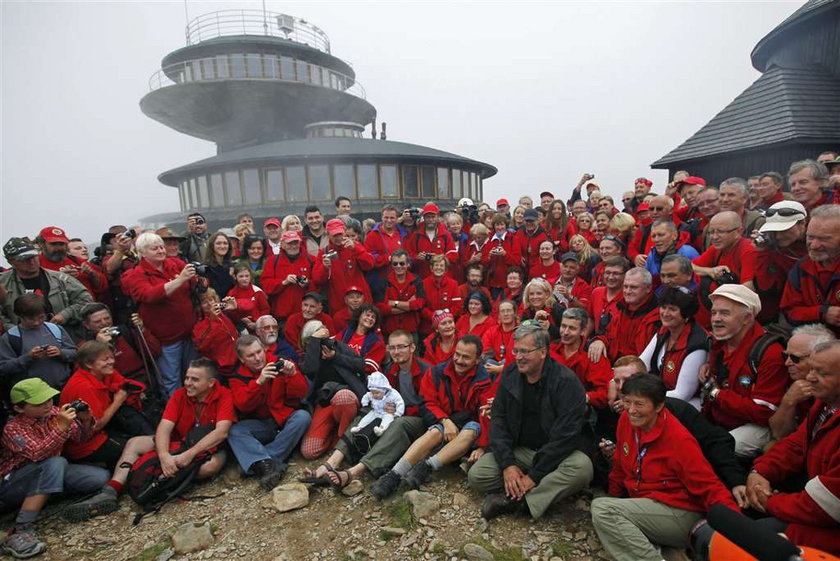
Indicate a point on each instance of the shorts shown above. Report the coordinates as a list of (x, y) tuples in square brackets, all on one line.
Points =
[(470, 425)]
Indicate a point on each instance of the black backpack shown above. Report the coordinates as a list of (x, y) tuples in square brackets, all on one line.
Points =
[(148, 487)]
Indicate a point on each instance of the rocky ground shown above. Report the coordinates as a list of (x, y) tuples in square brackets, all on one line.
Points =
[(441, 522)]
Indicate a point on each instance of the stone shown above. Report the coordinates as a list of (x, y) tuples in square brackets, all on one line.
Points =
[(423, 504), (580, 536), (391, 532), (290, 496), (353, 488), (165, 555), (460, 500), (192, 537), (475, 552)]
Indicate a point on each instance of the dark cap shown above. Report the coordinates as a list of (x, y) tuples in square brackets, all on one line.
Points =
[(569, 255), (546, 194), (18, 248), (531, 214), (315, 296)]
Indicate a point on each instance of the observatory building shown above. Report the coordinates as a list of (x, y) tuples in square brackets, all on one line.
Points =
[(287, 117)]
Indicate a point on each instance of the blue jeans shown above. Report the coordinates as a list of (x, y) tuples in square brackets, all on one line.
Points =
[(253, 440), (48, 477), (173, 361)]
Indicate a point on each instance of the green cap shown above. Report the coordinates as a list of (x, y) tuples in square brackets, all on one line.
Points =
[(34, 391)]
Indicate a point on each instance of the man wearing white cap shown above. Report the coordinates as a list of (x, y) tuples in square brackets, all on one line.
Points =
[(779, 244), (747, 377), (812, 293)]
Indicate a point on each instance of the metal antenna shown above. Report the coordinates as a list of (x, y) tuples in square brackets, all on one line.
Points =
[(265, 18), (187, 27)]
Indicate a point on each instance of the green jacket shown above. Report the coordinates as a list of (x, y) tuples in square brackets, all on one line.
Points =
[(67, 296)]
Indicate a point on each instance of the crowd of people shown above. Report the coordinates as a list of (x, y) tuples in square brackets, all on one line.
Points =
[(678, 353)]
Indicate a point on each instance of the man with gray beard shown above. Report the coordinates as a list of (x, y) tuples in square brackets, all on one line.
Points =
[(746, 375), (812, 293), (272, 340)]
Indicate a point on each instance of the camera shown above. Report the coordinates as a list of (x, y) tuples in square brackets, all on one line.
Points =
[(329, 344), (469, 213), (132, 387), (760, 239), (301, 279), (706, 389), (130, 234), (414, 213), (199, 220), (200, 268), (280, 365), (727, 278), (331, 254), (80, 406), (114, 331), (429, 256)]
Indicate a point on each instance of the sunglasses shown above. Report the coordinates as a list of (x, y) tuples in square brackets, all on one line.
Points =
[(796, 359), (443, 311), (787, 212)]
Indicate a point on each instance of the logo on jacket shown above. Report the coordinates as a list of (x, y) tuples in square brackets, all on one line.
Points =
[(626, 449), (670, 366)]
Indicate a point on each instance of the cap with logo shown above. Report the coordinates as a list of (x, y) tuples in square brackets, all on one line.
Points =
[(502, 202), (353, 288), (19, 248), (53, 234)]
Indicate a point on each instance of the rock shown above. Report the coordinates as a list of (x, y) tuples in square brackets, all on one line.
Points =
[(192, 537), (580, 536), (353, 488), (165, 555), (423, 504), (460, 499), (391, 532), (290, 496), (475, 552)]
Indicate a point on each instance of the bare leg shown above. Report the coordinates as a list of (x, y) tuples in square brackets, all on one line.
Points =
[(421, 447), (134, 448), (456, 447)]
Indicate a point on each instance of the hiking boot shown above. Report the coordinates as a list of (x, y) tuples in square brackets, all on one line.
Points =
[(386, 485), (98, 505), (261, 467), (498, 503), (272, 476), (418, 475), (23, 544)]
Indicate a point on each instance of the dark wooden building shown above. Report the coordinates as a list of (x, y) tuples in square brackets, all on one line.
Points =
[(790, 113)]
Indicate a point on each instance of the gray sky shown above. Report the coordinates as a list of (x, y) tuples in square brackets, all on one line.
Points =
[(543, 91)]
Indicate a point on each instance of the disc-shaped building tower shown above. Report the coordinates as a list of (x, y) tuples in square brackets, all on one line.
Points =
[(287, 118)]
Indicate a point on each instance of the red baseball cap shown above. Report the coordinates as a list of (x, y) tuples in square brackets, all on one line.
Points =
[(430, 208), (353, 288), (272, 222), (335, 226), (501, 202), (694, 180), (643, 207), (290, 236), (53, 234)]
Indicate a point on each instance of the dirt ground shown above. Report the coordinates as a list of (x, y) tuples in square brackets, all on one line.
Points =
[(331, 527)]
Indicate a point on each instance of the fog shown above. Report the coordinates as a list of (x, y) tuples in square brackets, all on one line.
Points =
[(543, 91)]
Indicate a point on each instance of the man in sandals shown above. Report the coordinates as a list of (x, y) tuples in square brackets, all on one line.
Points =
[(404, 374)]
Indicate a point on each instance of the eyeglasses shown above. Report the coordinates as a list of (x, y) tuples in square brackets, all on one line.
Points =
[(796, 359), (784, 212), (519, 352), (398, 347), (443, 311), (399, 264), (721, 232)]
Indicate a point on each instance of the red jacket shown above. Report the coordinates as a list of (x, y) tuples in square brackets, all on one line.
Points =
[(526, 248), (295, 323), (464, 291), (419, 368), (215, 337), (184, 412), (382, 245), (277, 398), (99, 395), (740, 259), (496, 266), (812, 512), (745, 398), (595, 376), (441, 244), (692, 338), (411, 291), (251, 301), (548, 272), (646, 467), (345, 271), (285, 299), (441, 294), (561, 238), (629, 331), (499, 343), (432, 351), (581, 292), (810, 290), (772, 267), (86, 278), (170, 318), (463, 326)]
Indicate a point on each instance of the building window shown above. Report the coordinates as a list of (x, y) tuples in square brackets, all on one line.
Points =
[(457, 193), (366, 180), (296, 183), (251, 177), (272, 66), (343, 180), (217, 191), (302, 71), (388, 179), (203, 194), (196, 69), (254, 65), (287, 68), (207, 70), (428, 176), (222, 66), (409, 182), (237, 65), (443, 183), (274, 186), (193, 194), (319, 183), (233, 188)]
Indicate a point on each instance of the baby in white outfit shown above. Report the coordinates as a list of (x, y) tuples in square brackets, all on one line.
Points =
[(379, 394)]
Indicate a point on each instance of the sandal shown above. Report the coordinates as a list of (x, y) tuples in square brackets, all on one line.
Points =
[(342, 482), (310, 478)]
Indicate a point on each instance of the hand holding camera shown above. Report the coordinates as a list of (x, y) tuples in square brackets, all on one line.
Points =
[(268, 373), (67, 414)]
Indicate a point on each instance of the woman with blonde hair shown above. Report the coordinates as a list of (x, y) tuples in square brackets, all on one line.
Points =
[(587, 256), (539, 304), (622, 226), (584, 222), (291, 222)]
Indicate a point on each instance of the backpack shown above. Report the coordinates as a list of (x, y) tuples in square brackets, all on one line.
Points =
[(148, 487), (16, 342)]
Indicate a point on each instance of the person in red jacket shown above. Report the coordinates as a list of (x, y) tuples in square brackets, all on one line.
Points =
[(740, 394), (729, 253), (498, 339), (631, 323), (570, 289), (430, 238), (201, 404), (383, 240), (214, 334), (442, 292), (568, 350), (104, 389), (340, 265), (77, 249), (559, 226), (353, 299), (812, 293), (404, 296), (452, 393), (267, 394), (477, 319), (547, 267), (673, 489), (497, 257), (526, 242), (809, 517), (246, 302), (311, 307), (605, 298), (287, 276), (53, 243), (162, 288), (440, 344), (474, 283), (129, 347)]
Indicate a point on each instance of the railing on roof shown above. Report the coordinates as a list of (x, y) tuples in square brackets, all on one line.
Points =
[(254, 66), (226, 23)]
